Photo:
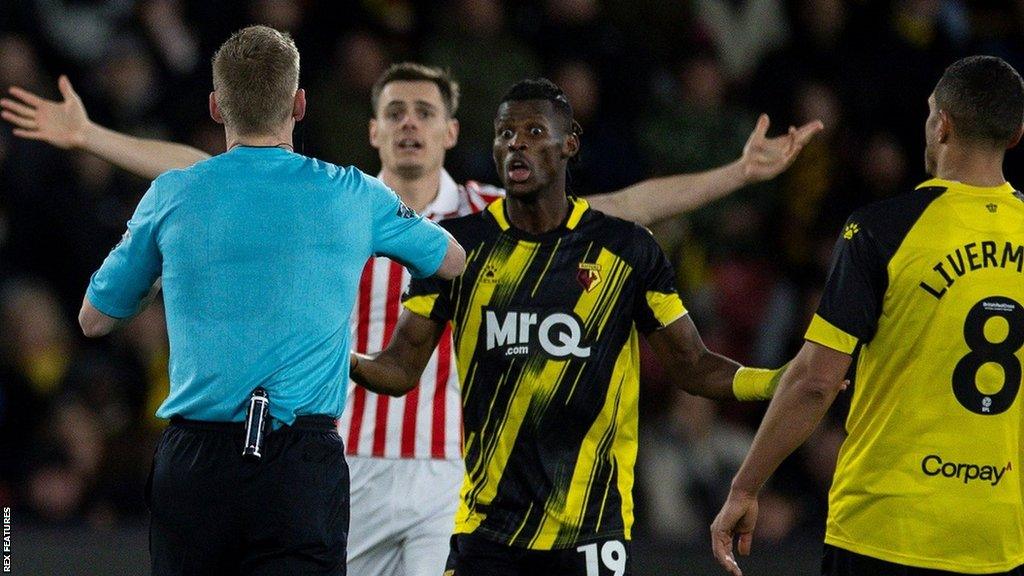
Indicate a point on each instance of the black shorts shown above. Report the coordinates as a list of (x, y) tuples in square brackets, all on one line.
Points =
[(474, 555), (840, 562), (211, 512)]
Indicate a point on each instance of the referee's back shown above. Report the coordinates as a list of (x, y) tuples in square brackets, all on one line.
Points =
[(259, 249)]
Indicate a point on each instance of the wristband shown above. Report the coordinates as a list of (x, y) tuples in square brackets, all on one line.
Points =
[(756, 383)]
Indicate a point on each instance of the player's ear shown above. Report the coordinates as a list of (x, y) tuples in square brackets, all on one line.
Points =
[(451, 136), (945, 127), (214, 109), (572, 141), (299, 105), (373, 133), (1016, 139)]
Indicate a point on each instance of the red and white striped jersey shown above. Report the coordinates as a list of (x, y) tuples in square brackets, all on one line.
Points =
[(426, 422)]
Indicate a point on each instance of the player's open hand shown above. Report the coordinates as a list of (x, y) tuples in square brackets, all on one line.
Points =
[(765, 158), (62, 124), (736, 519)]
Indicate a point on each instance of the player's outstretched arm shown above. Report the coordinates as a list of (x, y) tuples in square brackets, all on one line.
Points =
[(66, 125), (655, 199), (806, 390), (397, 369), (702, 372), (699, 371)]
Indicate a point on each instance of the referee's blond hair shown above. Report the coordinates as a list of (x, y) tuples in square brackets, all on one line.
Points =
[(255, 77)]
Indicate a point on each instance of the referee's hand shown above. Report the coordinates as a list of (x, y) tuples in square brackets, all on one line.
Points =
[(736, 518)]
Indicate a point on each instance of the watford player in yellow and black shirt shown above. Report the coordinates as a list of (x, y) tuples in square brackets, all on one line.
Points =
[(546, 321), (927, 291), (545, 329)]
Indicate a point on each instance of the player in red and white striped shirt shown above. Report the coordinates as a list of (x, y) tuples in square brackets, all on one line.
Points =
[(426, 422), (405, 453)]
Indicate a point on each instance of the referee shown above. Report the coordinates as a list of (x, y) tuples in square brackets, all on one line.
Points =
[(259, 252)]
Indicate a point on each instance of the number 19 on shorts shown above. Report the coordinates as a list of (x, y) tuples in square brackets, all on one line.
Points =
[(603, 558)]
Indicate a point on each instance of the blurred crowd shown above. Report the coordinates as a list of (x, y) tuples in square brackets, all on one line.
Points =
[(658, 87)]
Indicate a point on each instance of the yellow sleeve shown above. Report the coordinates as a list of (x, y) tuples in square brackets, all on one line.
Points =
[(822, 332), (421, 305), (667, 308)]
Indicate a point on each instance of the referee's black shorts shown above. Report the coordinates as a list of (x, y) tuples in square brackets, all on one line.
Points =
[(211, 512), (840, 562)]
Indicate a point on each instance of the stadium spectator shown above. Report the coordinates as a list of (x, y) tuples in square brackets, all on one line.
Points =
[(359, 60), (35, 350), (699, 129), (82, 31), (693, 455), (474, 42), (580, 30), (611, 160), (176, 45), (19, 64), (742, 32)]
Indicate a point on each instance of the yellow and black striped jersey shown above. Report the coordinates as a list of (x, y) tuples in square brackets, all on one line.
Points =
[(930, 287), (545, 331)]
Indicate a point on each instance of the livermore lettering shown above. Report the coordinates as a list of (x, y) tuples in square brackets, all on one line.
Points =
[(971, 257), (933, 465)]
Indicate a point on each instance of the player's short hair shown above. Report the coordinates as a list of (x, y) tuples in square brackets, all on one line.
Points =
[(414, 72), (984, 96), (255, 76), (544, 89)]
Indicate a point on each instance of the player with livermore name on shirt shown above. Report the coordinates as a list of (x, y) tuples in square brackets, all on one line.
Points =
[(926, 291)]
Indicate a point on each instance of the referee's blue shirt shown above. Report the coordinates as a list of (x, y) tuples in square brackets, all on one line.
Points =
[(260, 250)]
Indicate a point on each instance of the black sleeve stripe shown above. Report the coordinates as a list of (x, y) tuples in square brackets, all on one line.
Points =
[(859, 279)]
